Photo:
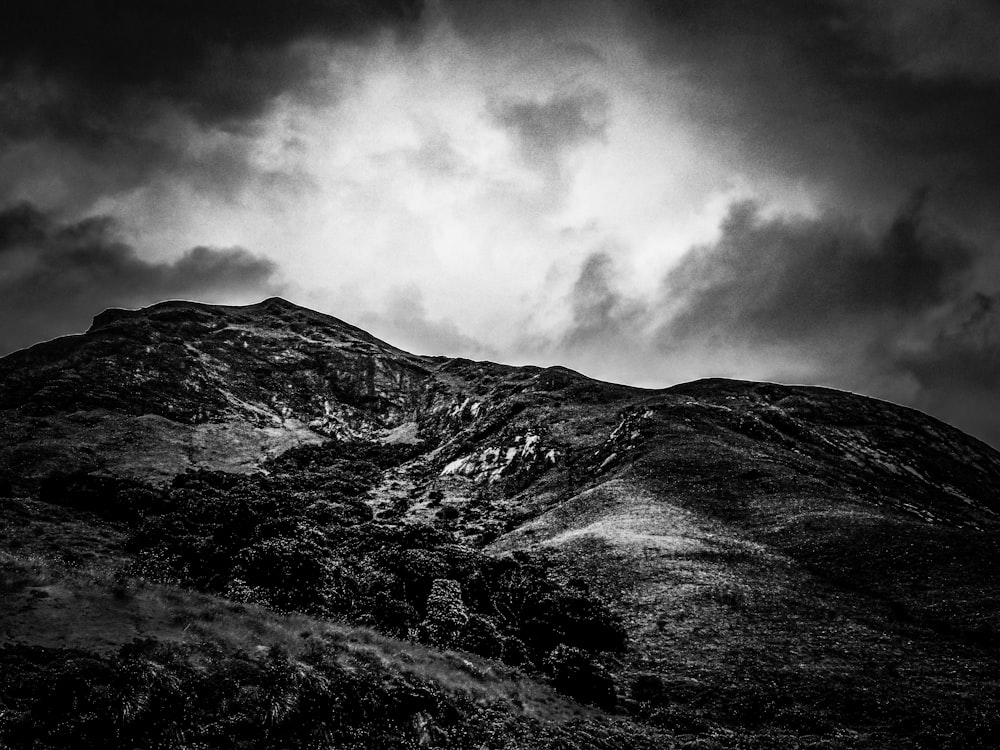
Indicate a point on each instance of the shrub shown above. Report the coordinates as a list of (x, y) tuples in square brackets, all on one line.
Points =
[(446, 613), (417, 569), (480, 635), (111, 497), (278, 541), (448, 513), (393, 616), (648, 688), (292, 568), (515, 652), (575, 673), (172, 697)]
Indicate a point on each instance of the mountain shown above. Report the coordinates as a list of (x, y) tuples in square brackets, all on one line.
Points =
[(715, 564), (182, 384)]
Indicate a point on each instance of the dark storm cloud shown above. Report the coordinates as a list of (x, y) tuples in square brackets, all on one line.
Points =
[(602, 314), (218, 59), (490, 20), (404, 322), (780, 280), (865, 98), (959, 372), (545, 128), (931, 39), (901, 313), (54, 276), (103, 96), (862, 99)]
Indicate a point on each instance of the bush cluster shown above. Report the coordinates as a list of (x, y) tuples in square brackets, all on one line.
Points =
[(300, 536), (157, 695), (111, 497)]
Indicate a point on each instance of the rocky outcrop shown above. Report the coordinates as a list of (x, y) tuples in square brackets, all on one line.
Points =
[(523, 454)]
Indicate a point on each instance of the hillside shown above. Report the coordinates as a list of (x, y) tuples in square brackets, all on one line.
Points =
[(716, 564)]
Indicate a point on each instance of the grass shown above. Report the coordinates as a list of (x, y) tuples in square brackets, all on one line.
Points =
[(33, 528), (761, 648), (97, 609)]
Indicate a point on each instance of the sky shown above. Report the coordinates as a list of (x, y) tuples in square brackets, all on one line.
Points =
[(801, 191)]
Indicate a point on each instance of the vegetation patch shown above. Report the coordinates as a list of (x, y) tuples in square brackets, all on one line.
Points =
[(300, 536)]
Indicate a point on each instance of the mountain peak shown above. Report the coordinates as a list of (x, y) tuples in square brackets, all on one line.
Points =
[(176, 310), (279, 303), (114, 315), (110, 315)]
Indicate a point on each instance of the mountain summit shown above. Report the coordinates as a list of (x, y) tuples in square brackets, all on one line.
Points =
[(786, 564)]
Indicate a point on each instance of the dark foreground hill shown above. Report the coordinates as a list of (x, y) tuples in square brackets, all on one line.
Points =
[(260, 527)]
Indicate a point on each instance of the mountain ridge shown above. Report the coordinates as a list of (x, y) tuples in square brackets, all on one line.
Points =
[(753, 539)]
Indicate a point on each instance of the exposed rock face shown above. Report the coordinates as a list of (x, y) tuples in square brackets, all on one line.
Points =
[(189, 383), (524, 454)]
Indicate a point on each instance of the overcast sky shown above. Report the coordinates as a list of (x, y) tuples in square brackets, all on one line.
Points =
[(794, 190)]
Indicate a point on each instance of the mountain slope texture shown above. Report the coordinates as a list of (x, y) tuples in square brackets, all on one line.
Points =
[(263, 527)]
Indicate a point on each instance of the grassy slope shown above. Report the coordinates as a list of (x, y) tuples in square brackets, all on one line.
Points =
[(93, 609), (776, 586)]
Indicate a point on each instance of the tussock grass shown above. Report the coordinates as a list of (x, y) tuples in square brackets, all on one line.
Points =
[(22, 571)]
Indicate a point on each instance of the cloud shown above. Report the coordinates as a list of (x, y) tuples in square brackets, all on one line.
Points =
[(814, 90), (801, 279), (958, 372), (546, 128), (55, 276), (220, 60), (601, 314), (101, 98), (903, 312), (933, 40), (404, 322)]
